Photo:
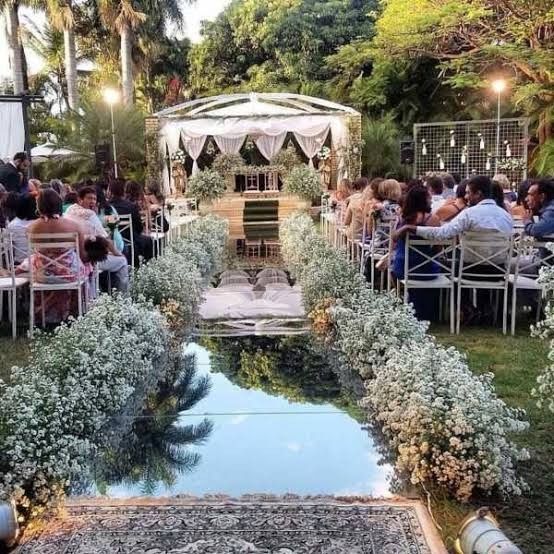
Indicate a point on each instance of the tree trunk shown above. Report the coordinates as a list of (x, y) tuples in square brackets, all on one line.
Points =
[(14, 45), (71, 69), (126, 66)]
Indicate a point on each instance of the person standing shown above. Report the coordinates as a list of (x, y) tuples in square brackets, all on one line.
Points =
[(13, 175)]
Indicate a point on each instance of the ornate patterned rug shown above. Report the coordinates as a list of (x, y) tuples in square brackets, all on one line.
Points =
[(305, 526)]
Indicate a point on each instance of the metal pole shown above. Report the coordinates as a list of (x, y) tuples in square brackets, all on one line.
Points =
[(113, 144), (25, 108), (497, 136)]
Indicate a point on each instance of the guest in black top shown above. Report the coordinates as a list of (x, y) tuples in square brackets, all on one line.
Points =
[(143, 244), (13, 174)]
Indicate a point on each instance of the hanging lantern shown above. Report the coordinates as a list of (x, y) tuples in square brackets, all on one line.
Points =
[(508, 149), (488, 163), (441, 162), (463, 159), (481, 141), (423, 148), (452, 139)]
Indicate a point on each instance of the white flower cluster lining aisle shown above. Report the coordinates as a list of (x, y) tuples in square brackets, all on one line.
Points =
[(56, 412), (444, 424)]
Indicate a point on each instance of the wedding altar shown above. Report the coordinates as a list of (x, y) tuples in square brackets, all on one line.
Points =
[(266, 119)]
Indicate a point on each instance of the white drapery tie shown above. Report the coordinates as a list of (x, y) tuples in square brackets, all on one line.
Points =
[(230, 144), (270, 146), (312, 144), (194, 147)]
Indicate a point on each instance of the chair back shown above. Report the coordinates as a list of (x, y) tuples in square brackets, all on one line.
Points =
[(158, 221), (532, 254), (54, 258), (125, 227), (427, 259), (485, 255), (7, 263), (381, 234)]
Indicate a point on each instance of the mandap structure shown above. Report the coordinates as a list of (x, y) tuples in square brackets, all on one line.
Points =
[(267, 120)]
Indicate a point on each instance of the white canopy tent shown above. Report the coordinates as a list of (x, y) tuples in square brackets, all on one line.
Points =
[(265, 118), (48, 151)]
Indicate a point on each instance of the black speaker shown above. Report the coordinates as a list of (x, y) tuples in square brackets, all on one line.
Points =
[(406, 152), (102, 155)]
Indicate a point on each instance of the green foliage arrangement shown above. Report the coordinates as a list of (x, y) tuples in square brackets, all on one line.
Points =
[(228, 164), (381, 146), (206, 185), (304, 182), (286, 160)]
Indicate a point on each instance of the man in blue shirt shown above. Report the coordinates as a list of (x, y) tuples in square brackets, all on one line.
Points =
[(540, 200)]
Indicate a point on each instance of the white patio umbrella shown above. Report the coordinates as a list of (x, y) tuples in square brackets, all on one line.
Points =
[(48, 151)]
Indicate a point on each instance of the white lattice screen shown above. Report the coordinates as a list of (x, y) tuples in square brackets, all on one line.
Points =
[(469, 148)]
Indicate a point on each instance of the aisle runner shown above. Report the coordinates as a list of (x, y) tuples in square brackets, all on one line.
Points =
[(253, 525), (261, 219)]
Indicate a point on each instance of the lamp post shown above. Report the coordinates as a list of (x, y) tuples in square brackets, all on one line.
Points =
[(111, 96), (499, 86)]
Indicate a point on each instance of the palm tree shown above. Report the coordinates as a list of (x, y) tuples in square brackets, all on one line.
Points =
[(63, 19), (121, 15), (48, 44), (157, 450), (14, 44)]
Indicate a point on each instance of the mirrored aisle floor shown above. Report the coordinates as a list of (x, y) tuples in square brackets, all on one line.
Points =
[(255, 442)]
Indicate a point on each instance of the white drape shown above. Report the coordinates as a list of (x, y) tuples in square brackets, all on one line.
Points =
[(194, 148), (270, 146), (311, 144), (230, 144), (12, 137)]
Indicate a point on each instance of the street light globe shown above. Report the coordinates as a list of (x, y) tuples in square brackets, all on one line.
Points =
[(111, 96), (498, 85)]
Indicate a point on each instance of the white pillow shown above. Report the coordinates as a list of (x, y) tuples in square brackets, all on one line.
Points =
[(270, 272), (271, 279), (233, 288)]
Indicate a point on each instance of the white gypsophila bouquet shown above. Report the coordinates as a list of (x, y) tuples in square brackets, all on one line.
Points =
[(55, 408), (170, 279), (511, 164), (194, 254), (286, 160), (544, 391), (445, 424), (179, 157), (324, 153), (206, 185), (379, 337), (304, 182), (211, 234), (228, 164)]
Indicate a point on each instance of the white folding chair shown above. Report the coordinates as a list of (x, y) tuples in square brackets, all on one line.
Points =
[(50, 252), (485, 259), (363, 245), (531, 255), (125, 227), (157, 233), (436, 269), (9, 282), (380, 247)]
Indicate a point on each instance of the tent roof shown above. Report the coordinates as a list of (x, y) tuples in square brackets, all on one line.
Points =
[(254, 104)]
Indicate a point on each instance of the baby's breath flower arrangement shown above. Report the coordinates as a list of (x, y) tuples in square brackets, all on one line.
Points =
[(206, 185), (304, 182), (442, 423)]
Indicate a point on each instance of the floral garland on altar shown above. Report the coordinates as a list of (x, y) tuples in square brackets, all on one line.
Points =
[(444, 424), (56, 412)]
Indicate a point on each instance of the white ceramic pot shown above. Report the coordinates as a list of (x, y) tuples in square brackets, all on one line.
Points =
[(9, 529)]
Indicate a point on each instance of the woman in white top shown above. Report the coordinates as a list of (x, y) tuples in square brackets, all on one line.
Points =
[(25, 214)]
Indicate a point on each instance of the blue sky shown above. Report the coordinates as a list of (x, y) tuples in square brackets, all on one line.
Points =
[(203, 9)]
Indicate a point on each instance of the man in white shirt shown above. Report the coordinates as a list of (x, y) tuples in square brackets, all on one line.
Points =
[(435, 187), (84, 212)]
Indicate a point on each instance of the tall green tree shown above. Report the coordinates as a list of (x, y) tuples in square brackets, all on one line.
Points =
[(15, 48)]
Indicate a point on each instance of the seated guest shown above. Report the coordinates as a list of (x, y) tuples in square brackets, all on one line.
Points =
[(416, 210), (354, 212), (540, 200), (9, 205), (57, 303), (84, 212), (451, 208), (58, 186), (436, 188), (389, 196), (3, 195), (143, 244), (34, 187), (25, 214), (498, 197), (71, 197), (449, 184), (520, 209), (502, 180), (13, 173), (342, 193)]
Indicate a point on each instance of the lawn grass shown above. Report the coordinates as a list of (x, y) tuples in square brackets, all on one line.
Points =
[(12, 353), (516, 362)]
